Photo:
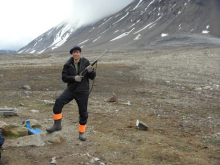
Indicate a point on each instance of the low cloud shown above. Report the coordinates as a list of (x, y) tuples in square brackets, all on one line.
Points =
[(90, 11), (25, 20), (14, 44)]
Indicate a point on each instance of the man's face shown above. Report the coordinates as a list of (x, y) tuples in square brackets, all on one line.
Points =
[(76, 54)]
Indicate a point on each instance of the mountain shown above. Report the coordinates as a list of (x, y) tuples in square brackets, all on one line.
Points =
[(8, 51), (141, 24)]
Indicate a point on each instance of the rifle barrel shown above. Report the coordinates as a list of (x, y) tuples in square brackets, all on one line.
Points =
[(100, 56), (85, 70)]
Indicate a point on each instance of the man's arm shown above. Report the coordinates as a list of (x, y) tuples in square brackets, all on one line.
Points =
[(67, 78)]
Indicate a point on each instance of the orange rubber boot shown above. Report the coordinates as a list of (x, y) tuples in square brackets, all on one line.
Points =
[(57, 124), (82, 129)]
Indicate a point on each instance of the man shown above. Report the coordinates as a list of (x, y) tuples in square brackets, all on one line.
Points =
[(77, 88)]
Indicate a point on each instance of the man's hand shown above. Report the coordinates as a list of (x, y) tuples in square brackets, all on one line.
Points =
[(78, 78), (90, 69)]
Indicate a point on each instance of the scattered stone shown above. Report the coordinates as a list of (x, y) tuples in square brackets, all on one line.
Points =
[(96, 159), (21, 104), (207, 87), (14, 130), (34, 111), (216, 86), (161, 82), (26, 87), (48, 102), (92, 161), (141, 125), (28, 93), (198, 89), (216, 136), (8, 111), (34, 123), (53, 161)]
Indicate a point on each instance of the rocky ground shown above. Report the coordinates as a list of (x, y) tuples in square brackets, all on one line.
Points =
[(175, 91)]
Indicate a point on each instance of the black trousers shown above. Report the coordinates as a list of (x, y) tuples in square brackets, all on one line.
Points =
[(81, 100)]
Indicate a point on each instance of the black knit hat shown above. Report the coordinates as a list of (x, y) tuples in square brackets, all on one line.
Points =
[(75, 48)]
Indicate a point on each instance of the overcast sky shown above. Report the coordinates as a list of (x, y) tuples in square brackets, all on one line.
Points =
[(24, 20)]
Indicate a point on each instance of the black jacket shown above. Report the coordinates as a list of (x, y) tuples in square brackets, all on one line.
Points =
[(69, 73)]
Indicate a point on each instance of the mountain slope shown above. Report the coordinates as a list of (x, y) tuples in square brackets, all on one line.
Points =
[(142, 23)]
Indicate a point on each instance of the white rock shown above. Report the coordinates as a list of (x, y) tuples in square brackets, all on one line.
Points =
[(53, 161), (26, 87), (198, 89), (34, 111)]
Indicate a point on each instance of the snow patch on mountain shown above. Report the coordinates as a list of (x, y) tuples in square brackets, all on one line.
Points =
[(148, 25), (122, 35)]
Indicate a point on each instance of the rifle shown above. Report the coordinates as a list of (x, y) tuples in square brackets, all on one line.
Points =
[(85, 70)]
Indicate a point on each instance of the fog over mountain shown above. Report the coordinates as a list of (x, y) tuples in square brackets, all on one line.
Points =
[(141, 24)]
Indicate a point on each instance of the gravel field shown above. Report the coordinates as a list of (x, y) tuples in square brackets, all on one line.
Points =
[(174, 90)]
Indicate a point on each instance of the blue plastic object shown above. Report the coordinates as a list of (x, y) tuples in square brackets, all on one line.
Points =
[(31, 131)]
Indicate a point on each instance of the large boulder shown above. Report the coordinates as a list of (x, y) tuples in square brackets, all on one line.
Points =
[(2, 123), (40, 139), (14, 130)]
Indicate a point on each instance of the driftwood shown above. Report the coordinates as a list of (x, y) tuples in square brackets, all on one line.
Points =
[(8, 112)]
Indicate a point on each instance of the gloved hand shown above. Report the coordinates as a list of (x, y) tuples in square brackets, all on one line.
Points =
[(90, 69), (78, 78)]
